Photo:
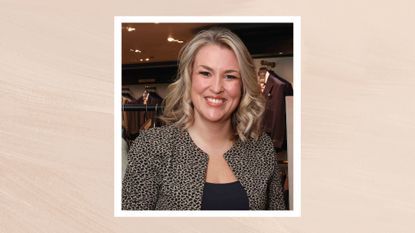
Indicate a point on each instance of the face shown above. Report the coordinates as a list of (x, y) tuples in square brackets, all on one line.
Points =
[(216, 84)]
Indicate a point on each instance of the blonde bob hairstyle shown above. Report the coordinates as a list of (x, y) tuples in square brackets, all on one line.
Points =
[(178, 108)]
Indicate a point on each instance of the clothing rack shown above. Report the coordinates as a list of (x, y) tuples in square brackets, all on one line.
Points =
[(142, 107)]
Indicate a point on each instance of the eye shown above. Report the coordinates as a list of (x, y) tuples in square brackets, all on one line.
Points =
[(204, 73), (228, 76)]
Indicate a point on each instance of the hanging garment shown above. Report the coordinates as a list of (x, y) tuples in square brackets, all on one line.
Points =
[(148, 118), (274, 116), (138, 120)]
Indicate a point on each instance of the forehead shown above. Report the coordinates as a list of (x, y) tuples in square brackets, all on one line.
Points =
[(216, 55)]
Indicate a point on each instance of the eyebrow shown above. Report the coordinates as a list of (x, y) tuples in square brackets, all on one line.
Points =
[(226, 71)]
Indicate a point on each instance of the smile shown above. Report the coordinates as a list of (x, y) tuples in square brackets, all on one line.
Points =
[(215, 101)]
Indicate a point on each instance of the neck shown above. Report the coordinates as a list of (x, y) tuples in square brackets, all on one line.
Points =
[(212, 132)]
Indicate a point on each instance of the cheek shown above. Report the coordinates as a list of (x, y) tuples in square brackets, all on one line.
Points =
[(235, 89), (198, 85)]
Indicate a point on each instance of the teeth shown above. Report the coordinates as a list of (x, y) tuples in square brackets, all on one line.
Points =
[(215, 101)]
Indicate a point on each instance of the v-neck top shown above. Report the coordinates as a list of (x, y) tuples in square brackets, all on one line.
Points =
[(167, 171)]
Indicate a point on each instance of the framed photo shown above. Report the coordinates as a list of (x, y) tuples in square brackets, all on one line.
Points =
[(146, 51)]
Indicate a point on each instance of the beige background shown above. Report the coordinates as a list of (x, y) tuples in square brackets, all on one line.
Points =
[(56, 128)]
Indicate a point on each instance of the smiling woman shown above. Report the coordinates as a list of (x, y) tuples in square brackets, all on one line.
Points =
[(212, 154)]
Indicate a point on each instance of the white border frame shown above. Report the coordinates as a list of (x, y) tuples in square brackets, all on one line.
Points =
[(296, 20)]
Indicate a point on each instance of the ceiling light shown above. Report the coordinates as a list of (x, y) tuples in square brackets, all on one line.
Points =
[(147, 59), (135, 50), (141, 59), (171, 39), (130, 29)]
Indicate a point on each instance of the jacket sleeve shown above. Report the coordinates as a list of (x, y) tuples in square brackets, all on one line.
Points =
[(275, 190), (140, 184)]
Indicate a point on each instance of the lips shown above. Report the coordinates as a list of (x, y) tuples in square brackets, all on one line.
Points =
[(215, 101)]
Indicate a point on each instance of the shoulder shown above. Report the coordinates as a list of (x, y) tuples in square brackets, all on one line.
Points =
[(155, 139), (262, 147), (158, 133), (263, 142)]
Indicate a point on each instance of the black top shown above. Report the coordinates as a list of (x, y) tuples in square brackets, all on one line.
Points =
[(229, 196)]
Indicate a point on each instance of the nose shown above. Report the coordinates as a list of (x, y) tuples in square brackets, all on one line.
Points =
[(217, 84)]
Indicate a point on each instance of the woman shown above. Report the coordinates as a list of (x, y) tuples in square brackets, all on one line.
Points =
[(212, 154)]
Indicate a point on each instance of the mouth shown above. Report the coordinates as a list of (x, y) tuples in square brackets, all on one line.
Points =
[(215, 101)]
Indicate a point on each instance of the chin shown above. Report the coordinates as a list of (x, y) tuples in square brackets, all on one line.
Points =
[(217, 119), (213, 115)]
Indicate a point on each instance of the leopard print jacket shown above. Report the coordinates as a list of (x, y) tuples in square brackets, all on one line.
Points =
[(166, 171)]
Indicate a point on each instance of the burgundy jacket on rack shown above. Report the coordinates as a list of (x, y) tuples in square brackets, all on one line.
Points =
[(274, 116)]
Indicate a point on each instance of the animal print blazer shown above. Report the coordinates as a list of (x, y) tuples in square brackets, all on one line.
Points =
[(166, 171)]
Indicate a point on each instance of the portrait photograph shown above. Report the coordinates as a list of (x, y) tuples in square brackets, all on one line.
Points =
[(207, 116)]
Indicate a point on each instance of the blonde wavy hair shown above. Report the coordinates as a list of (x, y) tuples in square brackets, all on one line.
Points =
[(178, 110)]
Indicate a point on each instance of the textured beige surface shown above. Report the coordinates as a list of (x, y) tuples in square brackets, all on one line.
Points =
[(56, 128)]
